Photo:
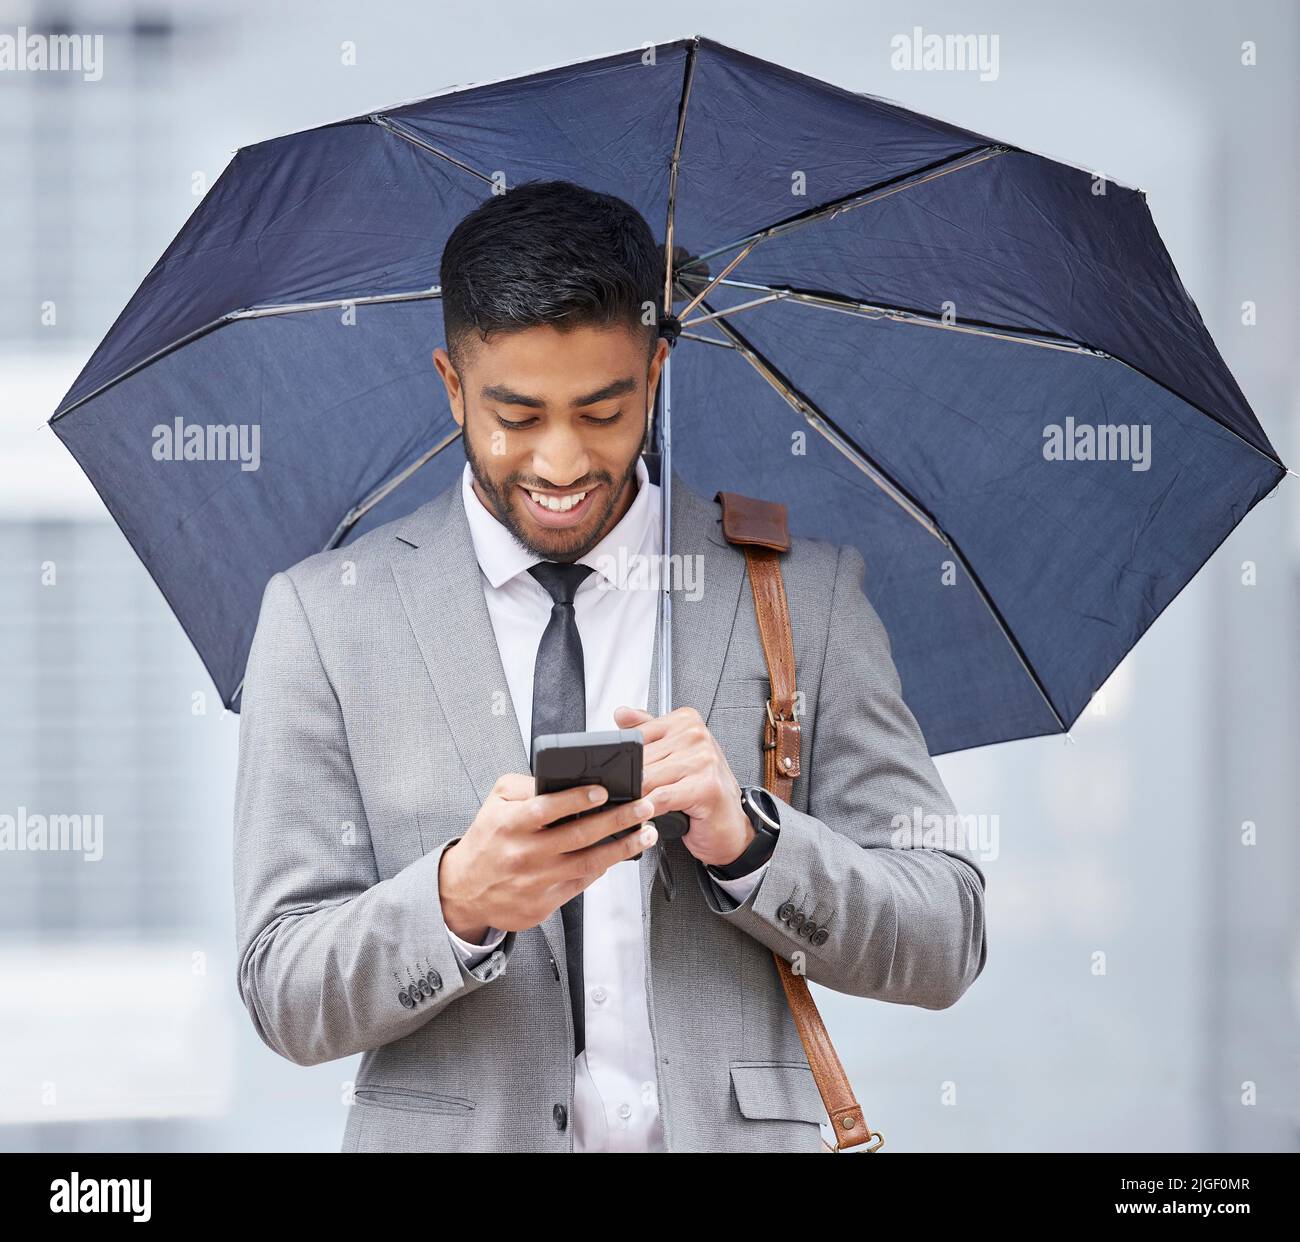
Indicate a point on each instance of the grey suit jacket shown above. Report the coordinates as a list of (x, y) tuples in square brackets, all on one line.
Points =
[(375, 719)]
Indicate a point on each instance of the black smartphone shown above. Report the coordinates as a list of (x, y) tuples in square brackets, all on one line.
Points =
[(610, 758)]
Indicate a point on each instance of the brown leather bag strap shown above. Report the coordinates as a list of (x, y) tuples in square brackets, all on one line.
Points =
[(759, 528)]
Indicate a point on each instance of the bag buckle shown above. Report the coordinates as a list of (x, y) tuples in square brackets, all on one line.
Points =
[(772, 719), (875, 1143), (772, 729)]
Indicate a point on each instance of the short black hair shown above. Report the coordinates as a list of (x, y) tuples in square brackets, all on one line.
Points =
[(550, 252)]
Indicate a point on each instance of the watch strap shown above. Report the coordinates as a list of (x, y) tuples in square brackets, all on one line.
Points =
[(760, 849)]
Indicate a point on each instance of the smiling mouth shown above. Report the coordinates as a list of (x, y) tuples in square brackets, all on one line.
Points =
[(550, 509)]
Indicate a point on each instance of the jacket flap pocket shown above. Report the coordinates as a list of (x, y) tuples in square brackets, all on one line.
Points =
[(410, 1100), (779, 1089)]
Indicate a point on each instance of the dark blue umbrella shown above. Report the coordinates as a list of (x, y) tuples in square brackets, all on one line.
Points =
[(975, 364)]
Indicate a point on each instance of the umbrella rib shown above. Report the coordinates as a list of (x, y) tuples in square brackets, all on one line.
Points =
[(256, 312), (707, 340), (827, 428), (395, 127), (140, 366), (976, 327), (383, 122), (358, 511), (959, 162), (730, 310), (291, 308), (713, 284), (874, 310), (674, 163)]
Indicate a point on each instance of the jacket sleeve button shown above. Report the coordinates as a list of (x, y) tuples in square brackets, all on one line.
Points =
[(404, 997)]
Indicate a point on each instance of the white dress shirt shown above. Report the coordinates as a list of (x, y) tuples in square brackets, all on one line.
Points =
[(615, 1106)]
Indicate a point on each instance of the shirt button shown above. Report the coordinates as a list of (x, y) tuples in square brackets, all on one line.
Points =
[(599, 995), (625, 1111)]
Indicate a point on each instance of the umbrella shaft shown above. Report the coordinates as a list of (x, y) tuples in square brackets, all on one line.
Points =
[(666, 509)]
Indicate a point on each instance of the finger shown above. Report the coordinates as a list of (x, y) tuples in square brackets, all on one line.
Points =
[(679, 760), (542, 810), (653, 752), (595, 860), (654, 727), (631, 717), (514, 786), (679, 795), (584, 832)]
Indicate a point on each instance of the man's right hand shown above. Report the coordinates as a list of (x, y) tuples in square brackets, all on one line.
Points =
[(512, 869)]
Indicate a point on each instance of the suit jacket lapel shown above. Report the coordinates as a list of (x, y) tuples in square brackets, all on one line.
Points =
[(441, 588)]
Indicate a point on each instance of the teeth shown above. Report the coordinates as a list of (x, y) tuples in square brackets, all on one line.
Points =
[(558, 504)]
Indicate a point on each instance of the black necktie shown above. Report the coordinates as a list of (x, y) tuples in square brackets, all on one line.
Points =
[(560, 706)]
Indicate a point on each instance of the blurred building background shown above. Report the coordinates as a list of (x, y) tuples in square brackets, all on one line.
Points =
[(1143, 984)]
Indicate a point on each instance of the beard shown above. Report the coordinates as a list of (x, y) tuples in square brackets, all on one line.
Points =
[(503, 499)]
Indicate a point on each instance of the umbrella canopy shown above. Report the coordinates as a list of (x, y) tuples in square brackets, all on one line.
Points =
[(975, 364)]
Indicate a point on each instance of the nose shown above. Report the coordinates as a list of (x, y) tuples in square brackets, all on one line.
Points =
[(561, 459)]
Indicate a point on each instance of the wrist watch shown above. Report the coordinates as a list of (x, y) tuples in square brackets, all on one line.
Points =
[(761, 810)]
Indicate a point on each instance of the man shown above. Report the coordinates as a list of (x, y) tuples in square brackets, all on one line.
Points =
[(518, 984)]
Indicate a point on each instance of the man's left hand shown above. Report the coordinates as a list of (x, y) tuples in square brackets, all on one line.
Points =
[(684, 769)]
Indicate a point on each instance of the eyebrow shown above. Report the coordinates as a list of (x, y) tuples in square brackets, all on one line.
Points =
[(507, 396)]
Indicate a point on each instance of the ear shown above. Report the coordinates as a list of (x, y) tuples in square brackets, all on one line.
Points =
[(652, 379), (451, 382)]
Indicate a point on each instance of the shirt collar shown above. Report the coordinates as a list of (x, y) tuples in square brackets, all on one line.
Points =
[(501, 556)]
